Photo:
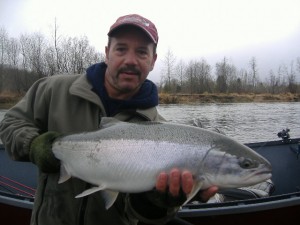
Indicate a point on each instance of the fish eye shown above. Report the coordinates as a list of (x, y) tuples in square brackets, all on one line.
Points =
[(246, 163)]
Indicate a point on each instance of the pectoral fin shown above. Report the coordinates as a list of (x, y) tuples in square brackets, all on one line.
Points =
[(195, 190), (90, 191), (64, 175)]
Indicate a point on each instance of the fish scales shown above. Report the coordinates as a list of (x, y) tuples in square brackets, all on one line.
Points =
[(127, 157)]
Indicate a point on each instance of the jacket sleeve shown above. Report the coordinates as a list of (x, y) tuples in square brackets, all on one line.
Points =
[(24, 121)]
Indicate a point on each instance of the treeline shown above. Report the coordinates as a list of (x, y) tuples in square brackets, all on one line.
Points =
[(197, 77), (25, 59), (31, 56)]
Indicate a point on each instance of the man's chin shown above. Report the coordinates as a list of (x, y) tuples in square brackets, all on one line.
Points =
[(128, 89), (129, 85)]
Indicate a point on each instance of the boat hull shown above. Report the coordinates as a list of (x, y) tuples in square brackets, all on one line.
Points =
[(15, 215), (271, 216)]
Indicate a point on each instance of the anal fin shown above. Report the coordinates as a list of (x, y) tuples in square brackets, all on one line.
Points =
[(109, 197)]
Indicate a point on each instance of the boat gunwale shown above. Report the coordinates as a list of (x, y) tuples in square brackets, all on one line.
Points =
[(16, 200), (240, 206)]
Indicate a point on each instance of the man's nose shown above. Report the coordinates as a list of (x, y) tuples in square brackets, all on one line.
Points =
[(131, 58)]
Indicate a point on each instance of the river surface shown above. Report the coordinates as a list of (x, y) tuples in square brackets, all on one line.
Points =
[(246, 122)]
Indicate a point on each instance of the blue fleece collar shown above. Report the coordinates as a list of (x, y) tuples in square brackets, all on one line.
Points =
[(147, 96)]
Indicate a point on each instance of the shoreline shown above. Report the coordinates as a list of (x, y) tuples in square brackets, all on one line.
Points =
[(226, 98), (8, 100)]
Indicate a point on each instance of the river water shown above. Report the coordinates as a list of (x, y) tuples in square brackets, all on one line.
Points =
[(246, 122)]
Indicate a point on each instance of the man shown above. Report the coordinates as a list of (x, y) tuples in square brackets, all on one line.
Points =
[(74, 103)]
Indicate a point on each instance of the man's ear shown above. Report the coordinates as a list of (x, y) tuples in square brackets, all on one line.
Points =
[(153, 62), (106, 54)]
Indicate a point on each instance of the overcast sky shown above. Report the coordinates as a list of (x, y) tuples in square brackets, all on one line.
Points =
[(238, 29)]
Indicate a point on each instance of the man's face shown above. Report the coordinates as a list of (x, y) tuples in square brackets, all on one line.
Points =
[(129, 58)]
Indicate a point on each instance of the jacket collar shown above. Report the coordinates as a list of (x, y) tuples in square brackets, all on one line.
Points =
[(82, 88)]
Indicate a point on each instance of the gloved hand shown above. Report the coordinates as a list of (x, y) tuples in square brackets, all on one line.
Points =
[(41, 152), (155, 205), (167, 196), (165, 200)]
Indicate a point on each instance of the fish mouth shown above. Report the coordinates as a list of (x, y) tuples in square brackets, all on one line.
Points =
[(263, 174), (263, 169)]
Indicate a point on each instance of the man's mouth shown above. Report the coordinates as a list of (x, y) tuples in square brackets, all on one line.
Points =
[(130, 72)]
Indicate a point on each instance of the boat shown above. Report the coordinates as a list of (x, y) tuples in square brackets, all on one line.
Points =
[(18, 183)]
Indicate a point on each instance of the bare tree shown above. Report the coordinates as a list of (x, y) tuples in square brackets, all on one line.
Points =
[(3, 44), (292, 84), (253, 72), (80, 51), (282, 75), (25, 48), (222, 76), (50, 61), (272, 82), (190, 75), (13, 52), (180, 73), (92, 56), (244, 81), (36, 53), (227, 78), (298, 64), (202, 76), (56, 47), (233, 81), (168, 69)]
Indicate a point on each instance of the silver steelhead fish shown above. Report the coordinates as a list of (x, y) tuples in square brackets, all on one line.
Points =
[(127, 157)]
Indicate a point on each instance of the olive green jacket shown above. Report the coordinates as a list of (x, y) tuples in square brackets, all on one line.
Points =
[(66, 104)]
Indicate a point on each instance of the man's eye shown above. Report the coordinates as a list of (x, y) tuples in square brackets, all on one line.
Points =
[(120, 49), (142, 52)]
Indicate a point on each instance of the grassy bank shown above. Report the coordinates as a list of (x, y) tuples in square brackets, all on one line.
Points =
[(9, 99), (226, 98)]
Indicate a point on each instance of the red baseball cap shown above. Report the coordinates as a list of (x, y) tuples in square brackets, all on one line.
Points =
[(136, 20)]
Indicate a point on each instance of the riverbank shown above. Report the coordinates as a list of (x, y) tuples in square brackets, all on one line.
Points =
[(7, 100), (226, 98)]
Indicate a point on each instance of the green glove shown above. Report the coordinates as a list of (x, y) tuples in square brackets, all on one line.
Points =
[(41, 152)]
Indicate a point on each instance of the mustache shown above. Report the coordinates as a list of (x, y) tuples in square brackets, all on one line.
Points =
[(129, 69)]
